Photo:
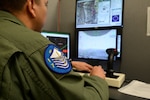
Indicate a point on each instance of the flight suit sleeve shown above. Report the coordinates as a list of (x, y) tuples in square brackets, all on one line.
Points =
[(69, 86), (76, 87), (28, 78)]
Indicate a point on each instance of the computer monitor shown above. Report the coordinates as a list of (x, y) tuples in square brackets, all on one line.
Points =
[(92, 44), (60, 39), (99, 13)]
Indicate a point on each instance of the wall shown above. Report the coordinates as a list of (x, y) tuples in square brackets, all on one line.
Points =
[(67, 16), (51, 22), (135, 45), (68, 20)]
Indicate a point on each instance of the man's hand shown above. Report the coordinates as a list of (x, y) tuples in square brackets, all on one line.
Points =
[(82, 66), (98, 71)]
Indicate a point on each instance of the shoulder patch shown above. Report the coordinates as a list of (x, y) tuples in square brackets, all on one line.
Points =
[(56, 61)]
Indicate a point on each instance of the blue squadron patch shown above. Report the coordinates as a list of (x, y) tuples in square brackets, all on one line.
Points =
[(56, 61)]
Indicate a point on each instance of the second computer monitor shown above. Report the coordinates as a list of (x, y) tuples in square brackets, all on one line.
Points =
[(61, 39), (92, 44)]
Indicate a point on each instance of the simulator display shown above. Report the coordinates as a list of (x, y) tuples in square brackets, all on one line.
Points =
[(92, 44)]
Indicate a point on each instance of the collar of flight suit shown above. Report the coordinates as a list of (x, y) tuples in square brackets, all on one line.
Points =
[(4, 15)]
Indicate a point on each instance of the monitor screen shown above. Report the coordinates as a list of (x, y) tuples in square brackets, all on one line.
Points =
[(92, 44), (99, 13), (60, 39)]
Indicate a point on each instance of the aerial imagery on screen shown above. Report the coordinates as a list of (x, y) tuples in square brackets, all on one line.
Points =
[(98, 13)]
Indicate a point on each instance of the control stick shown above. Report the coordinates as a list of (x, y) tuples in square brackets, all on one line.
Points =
[(111, 53)]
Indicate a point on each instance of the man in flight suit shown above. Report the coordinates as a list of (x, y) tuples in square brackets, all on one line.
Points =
[(33, 68)]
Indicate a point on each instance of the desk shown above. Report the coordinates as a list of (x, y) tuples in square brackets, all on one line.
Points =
[(116, 95)]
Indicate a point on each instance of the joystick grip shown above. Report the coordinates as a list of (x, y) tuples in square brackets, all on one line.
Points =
[(111, 53)]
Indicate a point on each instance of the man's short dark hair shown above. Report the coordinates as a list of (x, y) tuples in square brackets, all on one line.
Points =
[(12, 4)]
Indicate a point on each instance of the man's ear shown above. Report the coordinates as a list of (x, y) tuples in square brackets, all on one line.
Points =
[(31, 7)]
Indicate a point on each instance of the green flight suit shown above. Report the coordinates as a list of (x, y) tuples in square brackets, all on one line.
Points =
[(25, 76)]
